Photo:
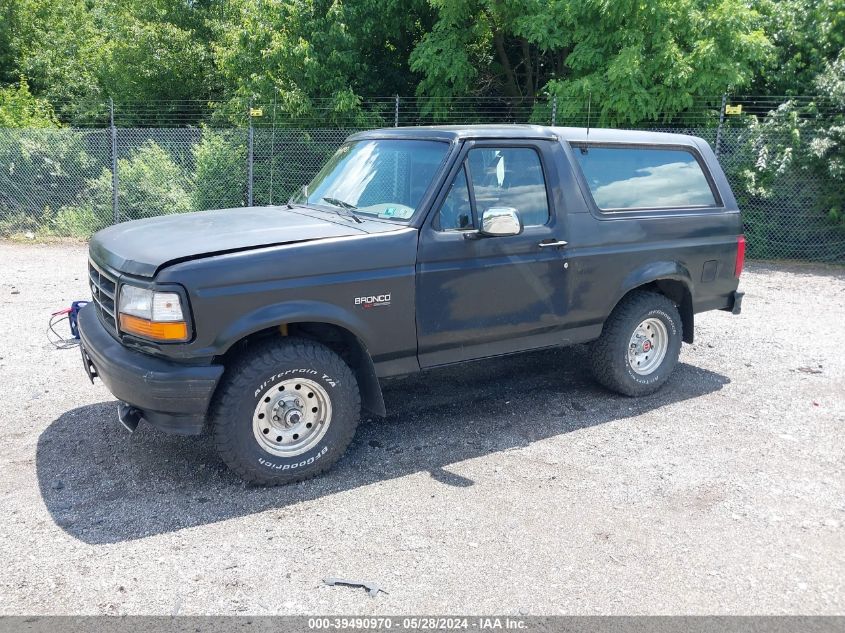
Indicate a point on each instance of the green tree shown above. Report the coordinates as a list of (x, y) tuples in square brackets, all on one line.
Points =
[(316, 58), (157, 51), (57, 46), (807, 36), (80, 53), (19, 109), (639, 59), (8, 19)]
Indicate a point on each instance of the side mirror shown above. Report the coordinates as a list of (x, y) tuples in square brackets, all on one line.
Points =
[(500, 222)]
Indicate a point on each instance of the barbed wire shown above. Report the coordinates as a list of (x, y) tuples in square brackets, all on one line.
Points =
[(415, 110)]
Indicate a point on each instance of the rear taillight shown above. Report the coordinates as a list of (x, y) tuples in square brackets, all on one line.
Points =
[(740, 255)]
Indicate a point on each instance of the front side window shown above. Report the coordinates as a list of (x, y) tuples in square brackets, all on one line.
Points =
[(456, 212), (386, 178), (500, 177), (622, 178)]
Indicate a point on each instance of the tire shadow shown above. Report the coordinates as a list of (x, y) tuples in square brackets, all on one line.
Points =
[(102, 485)]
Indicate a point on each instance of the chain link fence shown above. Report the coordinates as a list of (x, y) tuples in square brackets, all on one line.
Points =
[(71, 182)]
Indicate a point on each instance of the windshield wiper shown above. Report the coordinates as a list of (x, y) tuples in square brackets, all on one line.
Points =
[(344, 205), (340, 203)]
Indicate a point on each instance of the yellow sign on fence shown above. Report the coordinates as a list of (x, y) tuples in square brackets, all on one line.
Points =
[(256, 112), (733, 109)]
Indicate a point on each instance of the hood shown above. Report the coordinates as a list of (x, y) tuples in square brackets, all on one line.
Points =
[(141, 247)]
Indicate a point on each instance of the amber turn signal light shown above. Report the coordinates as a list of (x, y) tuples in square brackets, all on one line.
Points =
[(158, 331)]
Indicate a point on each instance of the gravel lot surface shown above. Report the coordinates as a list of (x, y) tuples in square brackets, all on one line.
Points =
[(511, 486)]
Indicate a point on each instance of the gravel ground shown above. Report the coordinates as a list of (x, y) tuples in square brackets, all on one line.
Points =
[(512, 486)]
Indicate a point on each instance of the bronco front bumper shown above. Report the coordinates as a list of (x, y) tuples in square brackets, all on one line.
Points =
[(171, 396)]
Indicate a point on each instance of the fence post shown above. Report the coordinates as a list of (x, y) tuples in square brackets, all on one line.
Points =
[(554, 110), (114, 181), (249, 159), (273, 144), (721, 122), (396, 111)]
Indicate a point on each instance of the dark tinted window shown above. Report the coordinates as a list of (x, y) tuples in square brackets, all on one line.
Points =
[(644, 177)]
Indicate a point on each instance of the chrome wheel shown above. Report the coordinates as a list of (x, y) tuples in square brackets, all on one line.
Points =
[(648, 346), (291, 417)]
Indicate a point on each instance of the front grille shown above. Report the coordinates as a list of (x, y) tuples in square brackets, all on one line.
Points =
[(104, 293)]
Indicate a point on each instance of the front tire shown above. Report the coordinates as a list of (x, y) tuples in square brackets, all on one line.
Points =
[(285, 412), (639, 344)]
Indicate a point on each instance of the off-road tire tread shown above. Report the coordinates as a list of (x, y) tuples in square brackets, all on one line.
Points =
[(604, 352), (265, 357)]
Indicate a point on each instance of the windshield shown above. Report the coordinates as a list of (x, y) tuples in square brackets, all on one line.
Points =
[(383, 178)]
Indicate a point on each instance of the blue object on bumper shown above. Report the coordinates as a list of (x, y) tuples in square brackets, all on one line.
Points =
[(172, 396)]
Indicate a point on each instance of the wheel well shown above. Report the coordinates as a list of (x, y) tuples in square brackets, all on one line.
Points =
[(679, 293), (341, 341)]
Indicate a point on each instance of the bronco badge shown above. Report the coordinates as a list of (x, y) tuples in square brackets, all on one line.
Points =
[(373, 301)]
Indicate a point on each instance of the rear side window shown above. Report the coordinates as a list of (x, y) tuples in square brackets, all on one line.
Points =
[(622, 178)]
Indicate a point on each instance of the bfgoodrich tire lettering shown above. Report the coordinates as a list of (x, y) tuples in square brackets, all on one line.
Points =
[(283, 366), (640, 318)]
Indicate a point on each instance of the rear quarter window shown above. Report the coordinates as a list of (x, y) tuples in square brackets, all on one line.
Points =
[(641, 177)]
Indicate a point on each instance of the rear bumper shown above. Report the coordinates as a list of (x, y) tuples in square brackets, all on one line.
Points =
[(171, 396), (728, 302)]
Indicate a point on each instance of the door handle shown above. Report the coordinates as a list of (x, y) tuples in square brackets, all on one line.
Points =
[(555, 243)]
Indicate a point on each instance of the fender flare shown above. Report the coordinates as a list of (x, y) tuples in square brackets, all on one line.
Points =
[(273, 315), (662, 271)]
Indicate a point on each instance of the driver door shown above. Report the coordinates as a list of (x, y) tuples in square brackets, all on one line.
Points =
[(485, 296)]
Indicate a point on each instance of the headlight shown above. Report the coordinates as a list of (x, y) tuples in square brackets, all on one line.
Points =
[(152, 314)]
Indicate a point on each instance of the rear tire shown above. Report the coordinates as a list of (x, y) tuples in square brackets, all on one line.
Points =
[(286, 412), (639, 344)]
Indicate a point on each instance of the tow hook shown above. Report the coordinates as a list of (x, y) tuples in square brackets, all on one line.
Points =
[(129, 416)]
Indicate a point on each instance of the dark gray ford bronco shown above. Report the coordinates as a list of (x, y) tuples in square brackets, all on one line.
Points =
[(411, 249)]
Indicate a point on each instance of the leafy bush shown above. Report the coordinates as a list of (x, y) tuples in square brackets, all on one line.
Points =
[(42, 169), (828, 147), (150, 184), (20, 109), (220, 176), (783, 188), (82, 221)]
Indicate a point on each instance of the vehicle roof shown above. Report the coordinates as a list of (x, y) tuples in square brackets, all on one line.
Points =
[(499, 131)]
